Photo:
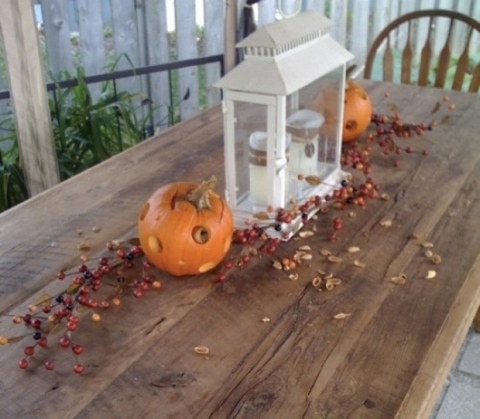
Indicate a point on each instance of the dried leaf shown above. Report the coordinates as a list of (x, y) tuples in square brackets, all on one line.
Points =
[(83, 245), (392, 107), (15, 339), (436, 107), (341, 316), (43, 299), (261, 215), (313, 180), (72, 289)]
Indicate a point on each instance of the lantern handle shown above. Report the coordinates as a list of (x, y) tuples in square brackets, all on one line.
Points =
[(280, 8)]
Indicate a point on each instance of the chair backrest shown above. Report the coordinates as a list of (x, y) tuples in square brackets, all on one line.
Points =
[(445, 70)]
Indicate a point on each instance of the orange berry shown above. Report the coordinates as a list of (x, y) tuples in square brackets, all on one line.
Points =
[(96, 317), (157, 285)]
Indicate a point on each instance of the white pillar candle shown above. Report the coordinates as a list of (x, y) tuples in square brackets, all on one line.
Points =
[(304, 127)]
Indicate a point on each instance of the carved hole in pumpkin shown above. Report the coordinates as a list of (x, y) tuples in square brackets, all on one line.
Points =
[(200, 235), (350, 125), (154, 244), (144, 211)]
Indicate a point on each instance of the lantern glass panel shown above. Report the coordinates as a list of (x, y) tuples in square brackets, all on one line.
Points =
[(313, 114), (250, 135)]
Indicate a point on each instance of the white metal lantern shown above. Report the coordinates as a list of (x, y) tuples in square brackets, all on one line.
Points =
[(283, 111)]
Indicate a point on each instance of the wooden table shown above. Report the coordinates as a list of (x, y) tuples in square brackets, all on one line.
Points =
[(389, 358)]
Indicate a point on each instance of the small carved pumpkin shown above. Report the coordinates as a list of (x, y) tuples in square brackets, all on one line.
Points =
[(185, 229), (357, 112)]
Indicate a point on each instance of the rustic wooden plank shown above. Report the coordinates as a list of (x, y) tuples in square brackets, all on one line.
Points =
[(444, 59), (28, 96), (425, 58), (407, 56), (186, 35), (301, 363), (57, 36)]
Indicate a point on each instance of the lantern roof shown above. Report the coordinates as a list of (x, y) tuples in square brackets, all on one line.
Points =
[(284, 56)]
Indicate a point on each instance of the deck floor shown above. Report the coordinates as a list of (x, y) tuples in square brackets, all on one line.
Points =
[(460, 398)]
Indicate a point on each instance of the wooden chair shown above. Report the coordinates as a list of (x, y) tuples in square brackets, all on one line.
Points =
[(427, 23)]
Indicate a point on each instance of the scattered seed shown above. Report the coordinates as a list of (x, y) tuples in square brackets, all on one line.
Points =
[(329, 276), (334, 259), (427, 244), (431, 274), (341, 316), (201, 350), (359, 264), (79, 231), (84, 258), (265, 319), (353, 249), (305, 248), (307, 256), (261, 215), (385, 196), (334, 281), (316, 281), (386, 223), (293, 277), (277, 265), (398, 280), (329, 286), (325, 252), (306, 233), (352, 214), (96, 229), (436, 259), (428, 254)]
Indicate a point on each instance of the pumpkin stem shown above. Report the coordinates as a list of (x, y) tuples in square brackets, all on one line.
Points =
[(199, 196)]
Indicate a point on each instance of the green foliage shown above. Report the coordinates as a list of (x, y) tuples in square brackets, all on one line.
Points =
[(86, 132)]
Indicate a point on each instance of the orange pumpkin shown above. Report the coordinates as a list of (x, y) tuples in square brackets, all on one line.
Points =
[(357, 112), (185, 229)]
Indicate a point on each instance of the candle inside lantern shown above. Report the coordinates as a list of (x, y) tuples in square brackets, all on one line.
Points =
[(258, 174), (304, 127)]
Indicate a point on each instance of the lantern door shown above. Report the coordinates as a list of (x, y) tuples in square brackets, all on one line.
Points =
[(255, 151)]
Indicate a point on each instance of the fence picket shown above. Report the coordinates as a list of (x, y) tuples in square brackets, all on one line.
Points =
[(91, 40), (57, 36), (186, 32)]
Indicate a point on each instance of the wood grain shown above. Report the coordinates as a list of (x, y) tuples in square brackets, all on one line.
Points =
[(389, 358)]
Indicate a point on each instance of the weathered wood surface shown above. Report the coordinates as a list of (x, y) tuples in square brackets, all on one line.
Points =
[(388, 359)]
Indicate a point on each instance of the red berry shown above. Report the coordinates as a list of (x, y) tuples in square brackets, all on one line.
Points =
[(222, 276), (49, 365), (137, 293), (42, 342), (61, 275), (29, 350), (23, 364), (77, 349), (78, 368), (64, 342), (72, 326)]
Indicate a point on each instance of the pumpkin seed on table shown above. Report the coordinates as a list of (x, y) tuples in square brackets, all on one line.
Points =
[(341, 316)]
